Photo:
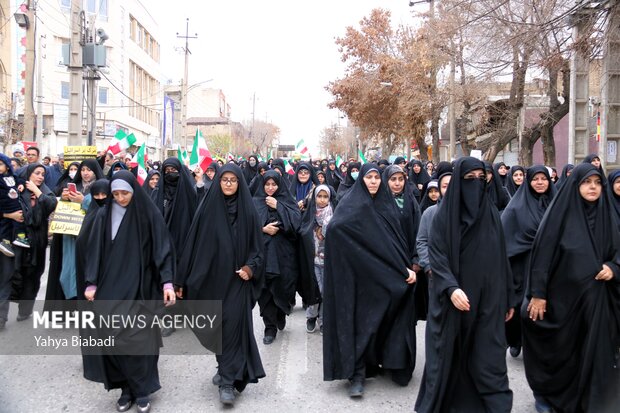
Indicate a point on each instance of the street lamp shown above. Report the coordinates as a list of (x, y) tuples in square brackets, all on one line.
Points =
[(22, 20)]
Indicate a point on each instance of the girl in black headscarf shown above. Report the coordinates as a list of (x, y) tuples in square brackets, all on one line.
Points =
[(368, 288), (595, 160), (465, 334), (257, 180), (250, 168), (132, 263), (613, 189), (419, 177), (152, 179), (566, 171), (230, 272), (431, 196), (515, 178), (497, 193), (333, 175), (62, 275), (280, 219), (521, 219), (501, 170), (571, 314), (38, 202), (67, 176), (116, 166), (353, 169), (302, 184)]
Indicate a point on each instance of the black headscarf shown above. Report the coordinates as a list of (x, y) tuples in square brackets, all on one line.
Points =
[(497, 193), (511, 186), (146, 185), (420, 178), (298, 190), (65, 178), (442, 168), (615, 199), (175, 197), (368, 306), (523, 214), (427, 202), (590, 158), (117, 164), (334, 178), (208, 181), (502, 178), (249, 172), (348, 181), (570, 356), (564, 175), (91, 164)]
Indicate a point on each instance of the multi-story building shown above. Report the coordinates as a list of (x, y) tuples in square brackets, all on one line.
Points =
[(6, 68), (129, 93)]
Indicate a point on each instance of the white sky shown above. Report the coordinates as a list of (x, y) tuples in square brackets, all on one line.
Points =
[(283, 51)]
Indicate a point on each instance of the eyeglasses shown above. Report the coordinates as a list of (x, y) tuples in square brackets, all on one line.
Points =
[(231, 181), (304, 172)]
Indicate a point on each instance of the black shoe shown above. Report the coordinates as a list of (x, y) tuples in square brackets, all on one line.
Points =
[(124, 402), (167, 331), (311, 325), (515, 351), (22, 317), (227, 394), (542, 407), (357, 388), (217, 379), (143, 405), (281, 323), (268, 339), (2, 323)]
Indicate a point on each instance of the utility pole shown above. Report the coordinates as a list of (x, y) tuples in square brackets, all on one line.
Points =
[(39, 69), (185, 79), (91, 91), (253, 112), (29, 81), (75, 74), (451, 112)]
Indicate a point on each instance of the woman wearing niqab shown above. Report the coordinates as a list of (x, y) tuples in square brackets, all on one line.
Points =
[(495, 190), (280, 218), (465, 335), (223, 261), (132, 263), (521, 219), (350, 178), (571, 314), (368, 292)]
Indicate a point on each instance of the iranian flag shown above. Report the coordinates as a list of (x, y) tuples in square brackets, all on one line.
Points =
[(200, 153), (121, 142), (361, 156), (139, 161), (289, 168), (230, 157), (338, 161), (301, 147), (182, 155)]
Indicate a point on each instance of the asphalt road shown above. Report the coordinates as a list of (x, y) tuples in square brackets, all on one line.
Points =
[(294, 383)]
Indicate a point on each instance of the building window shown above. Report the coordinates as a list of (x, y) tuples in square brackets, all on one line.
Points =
[(65, 4), (64, 90), (91, 6), (103, 9), (103, 95)]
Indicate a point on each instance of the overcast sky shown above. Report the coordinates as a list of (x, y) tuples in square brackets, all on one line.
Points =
[(283, 51)]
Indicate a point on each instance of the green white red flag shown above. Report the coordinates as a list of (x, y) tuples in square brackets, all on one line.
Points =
[(139, 161), (121, 142), (200, 153)]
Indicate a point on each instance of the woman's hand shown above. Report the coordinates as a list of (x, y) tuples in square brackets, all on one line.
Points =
[(537, 308), (198, 173), (271, 229), (606, 274), (411, 277), (33, 188), (75, 197), (179, 292), (509, 315), (300, 204), (460, 300), (90, 294), (271, 202), (16, 216), (245, 273), (65, 194), (169, 297)]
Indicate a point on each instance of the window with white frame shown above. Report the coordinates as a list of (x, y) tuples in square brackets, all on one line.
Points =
[(103, 95)]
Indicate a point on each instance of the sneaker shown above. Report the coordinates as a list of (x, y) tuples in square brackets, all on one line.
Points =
[(227, 394), (167, 331), (311, 325), (515, 351), (217, 379), (22, 242), (357, 388), (143, 405), (6, 249)]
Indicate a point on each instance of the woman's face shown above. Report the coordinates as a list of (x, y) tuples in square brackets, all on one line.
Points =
[(591, 188), (38, 176), (87, 174), (153, 181), (417, 168), (502, 170), (343, 168), (568, 172), (210, 173), (303, 175), (270, 187), (73, 168), (123, 198), (616, 186), (433, 194), (14, 165), (396, 183), (229, 183), (321, 178), (596, 162), (372, 180), (322, 199), (517, 177), (429, 168), (443, 184), (540, 183)]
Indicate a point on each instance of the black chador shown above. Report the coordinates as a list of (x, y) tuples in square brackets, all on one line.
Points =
[(281, 265), (521, 219), (368, 305), (349, 180), (466, 349), (224, 238), (571, 355)]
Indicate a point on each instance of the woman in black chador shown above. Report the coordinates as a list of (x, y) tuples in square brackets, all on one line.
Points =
[(132, 261), (223, 261), (280, 218), (349, 179), (571, 314), (521, 219), (470, 297), (368, 292)]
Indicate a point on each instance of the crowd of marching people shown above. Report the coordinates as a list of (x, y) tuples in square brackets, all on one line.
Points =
[(493, 259)]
